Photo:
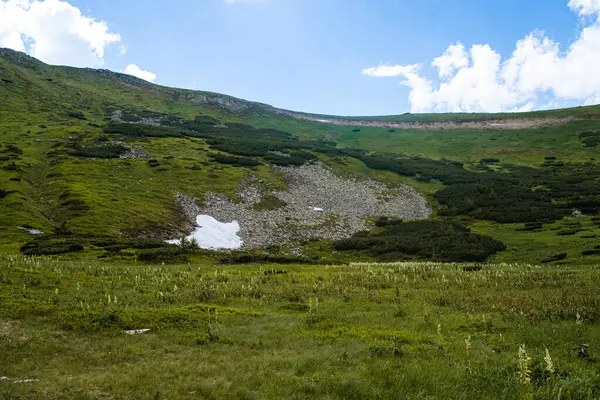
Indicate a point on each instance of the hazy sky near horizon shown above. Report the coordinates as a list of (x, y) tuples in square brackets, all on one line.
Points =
[(345, 57)]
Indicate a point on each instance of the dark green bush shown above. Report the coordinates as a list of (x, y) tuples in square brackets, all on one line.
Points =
[(4, 193), (50, 247), (76, 205), (436, 240), (568, 232), (246, 257), (235, 161), (11, 148), (382, 221), (556, 257), (590, 139), (76, 115), (594, 251), (103, 151), (171, 254)]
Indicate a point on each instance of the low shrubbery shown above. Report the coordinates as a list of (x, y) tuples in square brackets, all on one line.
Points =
[(490, 160), (435, 240), (76, 115), (555, 257), (501, 196), (103, 151), (247, 256), (590, 139), (4, 193), (63, 241), (235, 161), (49, 247)]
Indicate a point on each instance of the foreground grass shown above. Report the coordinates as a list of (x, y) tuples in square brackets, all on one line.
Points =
[(406, 330)]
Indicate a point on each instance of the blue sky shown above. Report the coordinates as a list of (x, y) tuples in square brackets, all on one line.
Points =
[(326, 56)]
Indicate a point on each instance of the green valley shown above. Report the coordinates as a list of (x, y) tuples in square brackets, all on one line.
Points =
[(408, 256)]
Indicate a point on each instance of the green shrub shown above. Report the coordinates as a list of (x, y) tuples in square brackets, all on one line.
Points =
[(170, 255), (11, 148), (556, 257), (435, 240), (382, 222), (76, 115), (4, 193), (43, 247), (103, 151), (489, 160), (235, 161)]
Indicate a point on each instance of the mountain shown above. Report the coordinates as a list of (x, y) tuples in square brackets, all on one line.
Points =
[(111, 165)]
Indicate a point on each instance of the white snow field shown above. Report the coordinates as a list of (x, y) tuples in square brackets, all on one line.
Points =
[(212, 234)]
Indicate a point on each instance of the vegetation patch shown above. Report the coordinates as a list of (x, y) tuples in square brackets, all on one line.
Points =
[(590, 139), (47, 247), (104, 151), (269, 202), (556, 257), (505, 197), (436, 240), (235, 161), (4, 193), (188, 317)]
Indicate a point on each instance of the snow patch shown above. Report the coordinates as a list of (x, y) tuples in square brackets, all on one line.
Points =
[(32, 231), (136, 331), (26, 380), (212, 234)]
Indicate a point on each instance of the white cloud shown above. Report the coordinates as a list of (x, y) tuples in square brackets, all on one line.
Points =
[(455, 57), (478, 80), (136, 71), (585, 7), (391, 70), (55, 32)]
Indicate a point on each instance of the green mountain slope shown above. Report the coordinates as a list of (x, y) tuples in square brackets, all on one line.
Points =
[(96, 154)]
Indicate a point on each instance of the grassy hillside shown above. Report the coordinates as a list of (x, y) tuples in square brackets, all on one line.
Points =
[(61, 172), (477, 280)]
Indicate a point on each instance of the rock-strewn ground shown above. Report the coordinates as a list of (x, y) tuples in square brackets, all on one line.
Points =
[(344, 201)]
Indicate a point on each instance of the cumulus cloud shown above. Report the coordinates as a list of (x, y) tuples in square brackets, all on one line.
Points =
[(136, 71), (585, 7), (454, 58), (479, 80), (55, 32)]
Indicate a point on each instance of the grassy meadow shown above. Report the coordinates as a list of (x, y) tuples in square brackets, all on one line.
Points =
[(390, 331)]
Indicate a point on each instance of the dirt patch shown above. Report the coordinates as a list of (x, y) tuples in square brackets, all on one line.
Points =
[(12, 333)]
